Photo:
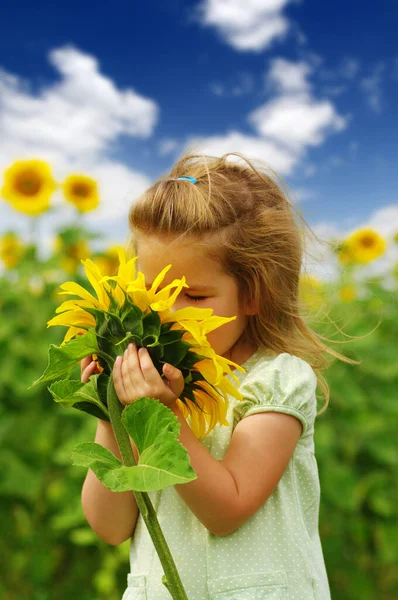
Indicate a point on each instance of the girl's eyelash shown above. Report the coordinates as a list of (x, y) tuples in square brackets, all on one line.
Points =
[(196, 298)]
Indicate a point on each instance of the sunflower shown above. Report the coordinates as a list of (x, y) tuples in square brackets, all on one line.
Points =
[(82, 192), (365, 246), (28, 186), (348, 293), (72, 253), (311, 291), (11, 250), (125, 310), (108, 262), (346, 254)]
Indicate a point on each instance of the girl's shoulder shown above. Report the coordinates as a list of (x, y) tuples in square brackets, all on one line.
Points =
[(280, 383), (263, 363)]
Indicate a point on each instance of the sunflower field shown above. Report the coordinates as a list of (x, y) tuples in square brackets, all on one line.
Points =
[(47, 549)]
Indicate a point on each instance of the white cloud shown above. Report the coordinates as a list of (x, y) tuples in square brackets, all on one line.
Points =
[(286, 125), (249, 25), (302, 195), (279, 159), (371, 85), (384, 220), (288, 77), (168, 146), (297, 122), (243, 83), (74, 124), (349, 68), (83, 113)]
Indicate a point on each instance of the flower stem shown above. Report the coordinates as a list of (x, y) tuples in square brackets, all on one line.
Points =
[(171, 579)]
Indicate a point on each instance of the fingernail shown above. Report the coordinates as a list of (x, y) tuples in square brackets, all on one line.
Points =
[(142, 351), (130, 346)]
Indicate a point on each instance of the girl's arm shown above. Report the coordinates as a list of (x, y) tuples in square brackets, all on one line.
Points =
[(229, 491), (112, 515)]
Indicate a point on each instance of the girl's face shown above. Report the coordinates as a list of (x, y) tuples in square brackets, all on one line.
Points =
[(209, 287)]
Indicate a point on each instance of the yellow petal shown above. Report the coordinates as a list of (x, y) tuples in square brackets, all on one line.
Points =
[(72, 332), (189, 313), (214, 322), (227, 387), (162, 300), (194, 329), (72, 318), (158, 280), (210, 369), (94, 275), (72, 305), (72, 288)]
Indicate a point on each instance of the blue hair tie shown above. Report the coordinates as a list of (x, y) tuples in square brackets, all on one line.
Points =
[(186, 178)]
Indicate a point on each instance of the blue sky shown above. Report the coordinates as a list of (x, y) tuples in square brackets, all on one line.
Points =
[(120, 89)]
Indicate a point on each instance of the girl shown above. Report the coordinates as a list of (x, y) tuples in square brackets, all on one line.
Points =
[(247, 527)]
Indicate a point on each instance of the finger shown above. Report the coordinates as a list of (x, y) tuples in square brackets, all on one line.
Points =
[(85, 362), (88, 371), (131, 369), (149, 372), (118, 380), (174, 378)]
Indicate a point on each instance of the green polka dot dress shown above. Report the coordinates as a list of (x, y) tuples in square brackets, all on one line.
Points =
[(277, 553)]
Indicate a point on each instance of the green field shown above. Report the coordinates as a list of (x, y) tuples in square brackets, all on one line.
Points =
[(47, 550)]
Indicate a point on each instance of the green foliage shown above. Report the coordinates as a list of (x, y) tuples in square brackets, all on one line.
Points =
[(163, 460), (357, 452), (62, 360), (89, 397), (48, 551)]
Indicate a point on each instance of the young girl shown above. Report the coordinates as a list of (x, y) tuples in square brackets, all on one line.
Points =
[(247, 527)]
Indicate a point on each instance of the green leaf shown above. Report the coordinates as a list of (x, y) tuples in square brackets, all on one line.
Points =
[(96, 457), (170, 337), (115, 327), (175, 353), (83, 396), (132, 321), (146, 419), (62, 359), (163, 460), (151, 324)]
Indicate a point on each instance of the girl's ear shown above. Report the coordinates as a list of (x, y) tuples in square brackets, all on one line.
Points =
[(251, 310), (251, 307)]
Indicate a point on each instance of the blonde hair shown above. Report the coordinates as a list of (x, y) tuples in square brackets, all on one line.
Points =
[(247, 221)]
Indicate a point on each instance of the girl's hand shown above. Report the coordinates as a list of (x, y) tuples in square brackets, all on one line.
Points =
[(135, 376), (88, 367)]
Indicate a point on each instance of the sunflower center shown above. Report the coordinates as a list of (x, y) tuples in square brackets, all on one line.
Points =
[(81, 189), (77, 251), (367, 241), (28, 183)]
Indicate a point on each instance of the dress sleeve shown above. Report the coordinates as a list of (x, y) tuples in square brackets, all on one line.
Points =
[(285, 385)]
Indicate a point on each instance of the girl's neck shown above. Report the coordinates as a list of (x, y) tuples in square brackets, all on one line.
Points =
[(241, 351)]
